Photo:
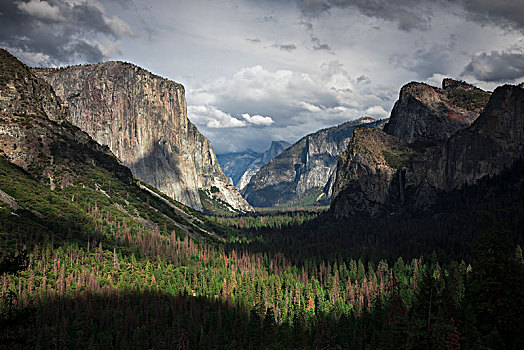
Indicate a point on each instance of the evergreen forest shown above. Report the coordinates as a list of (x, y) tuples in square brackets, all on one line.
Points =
[(106, 264)]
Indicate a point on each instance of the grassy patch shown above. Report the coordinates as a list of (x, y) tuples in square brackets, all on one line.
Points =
[(396, 158), (469, 99)]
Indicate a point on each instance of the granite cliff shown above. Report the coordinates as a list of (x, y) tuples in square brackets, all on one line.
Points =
[(366, 170), (241, 166), (142, 118), (426, 113), (35, 133), (383, 174), (58, 184), (303, 173)]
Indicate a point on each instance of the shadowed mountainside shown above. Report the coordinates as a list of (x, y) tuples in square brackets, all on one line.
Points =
[(382, 174)]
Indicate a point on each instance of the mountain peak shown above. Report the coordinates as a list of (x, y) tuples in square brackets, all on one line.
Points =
[(428, 113), (142, 118), (279, 143), (452, 84), (275, 149), (35, 133), (241, 166), (381, 174)]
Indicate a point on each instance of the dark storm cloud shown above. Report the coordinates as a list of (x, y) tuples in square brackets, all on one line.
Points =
[(318, 45), (408, 13), (428, 58), (416, 14), (56, 32), (89, 18), (496, 66), (313, 8), (504, 13), (285, 47)]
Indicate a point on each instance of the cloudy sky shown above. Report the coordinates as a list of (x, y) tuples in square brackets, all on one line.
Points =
[(264, 70)]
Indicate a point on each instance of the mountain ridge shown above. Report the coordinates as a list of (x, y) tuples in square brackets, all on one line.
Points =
[(56, 179), (302, 173), (426, 113), (382, 174), (241, 166), (35, 133), (142, 117)]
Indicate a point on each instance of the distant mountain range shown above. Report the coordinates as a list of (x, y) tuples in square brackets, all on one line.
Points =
[(241, 166), (303, 174)]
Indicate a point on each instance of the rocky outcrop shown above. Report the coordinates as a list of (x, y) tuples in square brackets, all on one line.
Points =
[(366, 171), (35, 133), (426, 113), (241, 166), (23, 93), (142, 118), (381, 174), (303, 173), (491, 144)]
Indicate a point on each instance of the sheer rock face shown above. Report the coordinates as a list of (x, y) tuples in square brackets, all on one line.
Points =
[(424, 113), (35, 133), (304, 172), (142, 118), (493, 142), (381, 174)]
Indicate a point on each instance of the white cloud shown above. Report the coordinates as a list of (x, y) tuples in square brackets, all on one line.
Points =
[(231, 67), (213, 117), (377, 112), (258, 119), (33, 59), (298, 103), (436, 79), (309, 107), (285, 94), (41, 10), (118, 26), (58, 32)]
